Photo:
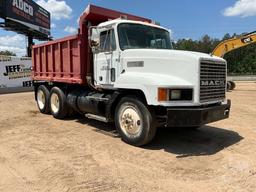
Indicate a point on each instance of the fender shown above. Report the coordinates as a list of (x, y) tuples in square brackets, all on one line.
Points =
[(149, 83)]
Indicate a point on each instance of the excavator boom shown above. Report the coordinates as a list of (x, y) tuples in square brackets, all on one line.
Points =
[(234, 43)]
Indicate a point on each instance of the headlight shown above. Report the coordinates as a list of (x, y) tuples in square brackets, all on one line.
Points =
[(175, 94)]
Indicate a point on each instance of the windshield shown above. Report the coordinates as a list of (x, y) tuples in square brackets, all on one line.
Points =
[(137, 36)]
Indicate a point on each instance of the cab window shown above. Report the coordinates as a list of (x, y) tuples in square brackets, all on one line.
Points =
[(107, 41)]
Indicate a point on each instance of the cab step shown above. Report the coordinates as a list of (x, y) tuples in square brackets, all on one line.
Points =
[(97, 117)]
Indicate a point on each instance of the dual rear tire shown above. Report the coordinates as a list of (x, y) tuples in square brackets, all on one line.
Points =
[(58, 105), (52, 102), (42, 98)]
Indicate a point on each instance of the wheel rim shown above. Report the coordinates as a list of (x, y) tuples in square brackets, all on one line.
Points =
[(130, 121), (41, 99), (55, 103)]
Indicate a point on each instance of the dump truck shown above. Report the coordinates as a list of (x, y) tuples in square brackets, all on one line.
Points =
[(122, 68)]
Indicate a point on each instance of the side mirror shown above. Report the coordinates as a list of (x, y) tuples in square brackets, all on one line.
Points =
[(94, 44)]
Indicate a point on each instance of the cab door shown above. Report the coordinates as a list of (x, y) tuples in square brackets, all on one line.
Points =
[(106, 60)]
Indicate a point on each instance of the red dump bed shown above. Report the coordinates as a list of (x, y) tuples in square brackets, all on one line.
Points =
[(68, 60), (59, 61)]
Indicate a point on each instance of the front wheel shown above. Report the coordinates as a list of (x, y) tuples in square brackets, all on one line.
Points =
[(134, 122)]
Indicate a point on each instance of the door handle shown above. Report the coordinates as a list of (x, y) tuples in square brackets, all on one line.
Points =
[(113, 74)]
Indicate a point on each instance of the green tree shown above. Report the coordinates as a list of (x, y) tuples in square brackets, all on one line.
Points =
[(240, 61), (7, 53)]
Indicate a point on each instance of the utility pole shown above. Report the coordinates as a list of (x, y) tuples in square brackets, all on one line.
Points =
[(30, 44)]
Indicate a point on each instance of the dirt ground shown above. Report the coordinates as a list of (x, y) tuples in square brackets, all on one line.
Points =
[(39, 153)]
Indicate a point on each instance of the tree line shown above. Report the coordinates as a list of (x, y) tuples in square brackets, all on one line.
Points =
[(7, 53), (240, 61)]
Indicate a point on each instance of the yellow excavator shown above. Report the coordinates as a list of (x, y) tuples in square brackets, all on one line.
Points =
[(232, 44)]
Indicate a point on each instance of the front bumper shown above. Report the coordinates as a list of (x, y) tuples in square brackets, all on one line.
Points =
[(190, 117)]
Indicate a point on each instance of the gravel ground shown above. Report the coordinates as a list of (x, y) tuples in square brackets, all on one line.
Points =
[(39, 153)]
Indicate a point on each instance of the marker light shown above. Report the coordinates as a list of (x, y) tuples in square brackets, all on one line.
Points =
[(163, 94)]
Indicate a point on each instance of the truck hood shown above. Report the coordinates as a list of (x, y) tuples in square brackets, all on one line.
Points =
[(170, 53), (147, 70), (180, 65)]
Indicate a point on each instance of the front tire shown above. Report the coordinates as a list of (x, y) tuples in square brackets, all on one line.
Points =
[(58, 104), (134, 122), (42, 99)]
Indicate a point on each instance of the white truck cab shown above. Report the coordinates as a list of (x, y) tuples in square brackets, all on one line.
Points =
[(176, 88), (139, 55)]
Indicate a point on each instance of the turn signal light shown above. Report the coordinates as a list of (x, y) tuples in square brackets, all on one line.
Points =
[(162, 94)]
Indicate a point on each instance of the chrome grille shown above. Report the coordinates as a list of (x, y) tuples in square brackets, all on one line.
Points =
[(212, 80)]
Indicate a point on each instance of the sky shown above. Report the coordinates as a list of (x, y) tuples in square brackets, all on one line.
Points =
[(185, 18)]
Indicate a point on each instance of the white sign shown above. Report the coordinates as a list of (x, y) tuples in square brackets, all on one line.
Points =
[(15, 72)]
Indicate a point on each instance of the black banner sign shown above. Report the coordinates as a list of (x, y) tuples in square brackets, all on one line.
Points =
[(29, 14)]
